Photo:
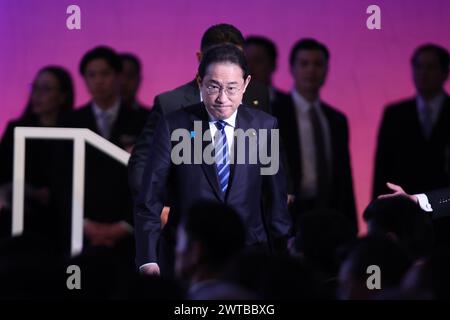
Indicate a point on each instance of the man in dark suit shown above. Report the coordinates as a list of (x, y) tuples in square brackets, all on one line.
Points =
[(261, 54), (257, 96), (315, 137), (413, 147), (108, 205), (414, 138), (131, 77), (223, 77)]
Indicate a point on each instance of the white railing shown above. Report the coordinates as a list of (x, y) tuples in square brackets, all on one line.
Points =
[(79, 137)]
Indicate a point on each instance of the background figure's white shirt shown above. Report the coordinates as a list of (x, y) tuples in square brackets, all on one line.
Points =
[(435, 106), (229, 128), (423, 202), (112, 113), (309, 183)]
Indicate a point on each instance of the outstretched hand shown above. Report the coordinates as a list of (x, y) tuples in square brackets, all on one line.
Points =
[(397, 192), (152, 269)]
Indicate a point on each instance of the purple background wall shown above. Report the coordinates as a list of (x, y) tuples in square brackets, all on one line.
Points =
[(369, 68)]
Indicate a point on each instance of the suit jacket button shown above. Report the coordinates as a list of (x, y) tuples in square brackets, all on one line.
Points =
[(255, 102)]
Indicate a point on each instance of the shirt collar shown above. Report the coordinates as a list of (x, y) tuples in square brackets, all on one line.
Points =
[(434, 104), (231, 121), (301, 103), (111, 111)]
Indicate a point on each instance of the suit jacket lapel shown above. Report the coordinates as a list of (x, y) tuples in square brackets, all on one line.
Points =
[(119, 123), (335, 132), (440, 127), (210, 171), (244, 121), (416, 123), (330, 119), (91, 122), (292, 139)]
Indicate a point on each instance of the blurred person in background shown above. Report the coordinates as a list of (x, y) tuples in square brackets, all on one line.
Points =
[(51, 97)]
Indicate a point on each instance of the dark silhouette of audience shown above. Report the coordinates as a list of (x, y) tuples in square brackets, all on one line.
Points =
[(429, 278), (387, 255), (273, 277), (320, 236), (30, 269), (208, 237), (403, 222)]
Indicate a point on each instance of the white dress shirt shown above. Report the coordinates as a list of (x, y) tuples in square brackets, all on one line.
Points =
[(309, 180), (112, 113), (424, 202), (229, 128)]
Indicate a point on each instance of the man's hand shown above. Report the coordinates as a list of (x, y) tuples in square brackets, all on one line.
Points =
[(151, 269), (114, 232), (164, 216), (104, 234), (95, 232), (290, 199), (42, 195), (398, 192)]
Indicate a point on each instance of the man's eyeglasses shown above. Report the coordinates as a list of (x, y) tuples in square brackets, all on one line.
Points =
[(213, 89)]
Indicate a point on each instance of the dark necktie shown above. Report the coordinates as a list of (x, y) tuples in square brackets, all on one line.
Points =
[(105, 124), (427, 122), (322, 169)]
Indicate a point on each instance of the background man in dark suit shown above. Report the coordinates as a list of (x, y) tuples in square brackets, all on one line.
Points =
[(413, 147), (315, 137), (224, 77), (108, 204), (130, 81), (261, 54), (414, 138), (256, 95)]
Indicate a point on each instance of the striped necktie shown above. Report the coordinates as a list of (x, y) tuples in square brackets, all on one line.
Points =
[(221, 156)]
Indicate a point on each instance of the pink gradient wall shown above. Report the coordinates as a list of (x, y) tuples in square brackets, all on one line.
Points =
[(368, 67)]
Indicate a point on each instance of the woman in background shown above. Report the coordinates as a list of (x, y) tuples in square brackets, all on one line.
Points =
[(51, 97)]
